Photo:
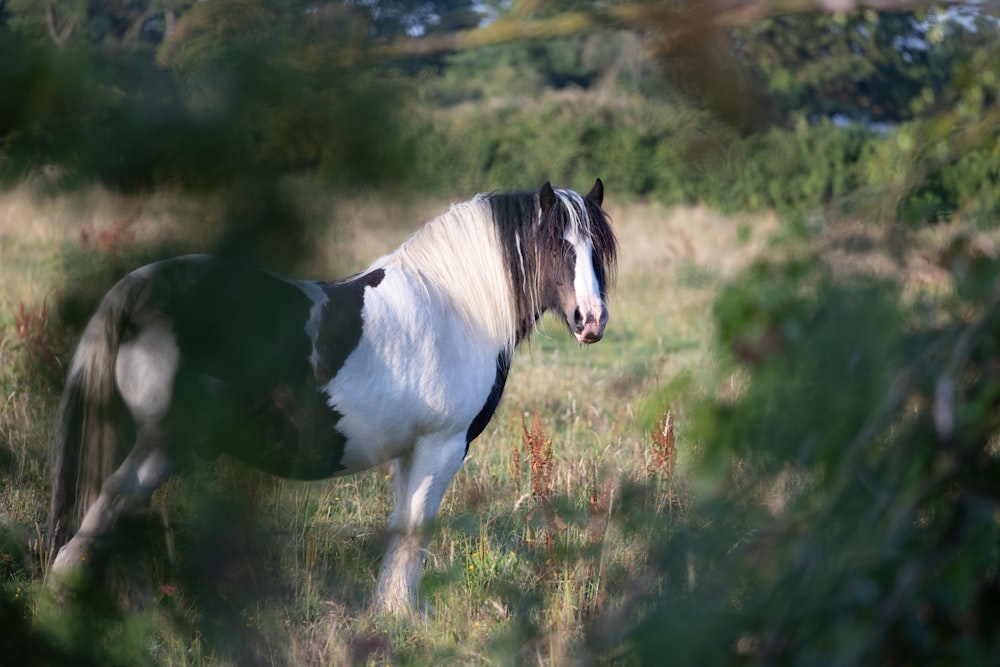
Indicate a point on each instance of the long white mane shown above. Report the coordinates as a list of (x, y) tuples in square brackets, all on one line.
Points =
[(459, 255)]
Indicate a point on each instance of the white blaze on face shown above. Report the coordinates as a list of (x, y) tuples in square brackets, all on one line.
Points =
[(593, 314), (588, 291)]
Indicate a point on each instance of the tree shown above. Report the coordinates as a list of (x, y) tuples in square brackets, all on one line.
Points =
[(112, 92), (867, 66)]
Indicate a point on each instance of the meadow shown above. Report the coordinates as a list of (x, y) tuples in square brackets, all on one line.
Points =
[(547, 540)]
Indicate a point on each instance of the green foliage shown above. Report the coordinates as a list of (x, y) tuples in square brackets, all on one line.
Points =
[(794, 171), (527, 69), (850, 503), (251, 87), (265, 88), (867, 66), (641, 149), (855, 65), (940, 164)]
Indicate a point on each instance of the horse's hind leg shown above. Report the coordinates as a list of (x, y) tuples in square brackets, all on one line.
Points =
[(143, 471)]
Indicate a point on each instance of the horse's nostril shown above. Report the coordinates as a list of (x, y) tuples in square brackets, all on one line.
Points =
[(577, 317)]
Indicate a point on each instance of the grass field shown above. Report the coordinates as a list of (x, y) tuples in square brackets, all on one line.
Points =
[(539, 551)]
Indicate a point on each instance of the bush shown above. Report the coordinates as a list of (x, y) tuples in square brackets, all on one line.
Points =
[(850, 494), (642, 149)]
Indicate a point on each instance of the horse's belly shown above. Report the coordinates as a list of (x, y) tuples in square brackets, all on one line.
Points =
[(367, 448), (377, 425)]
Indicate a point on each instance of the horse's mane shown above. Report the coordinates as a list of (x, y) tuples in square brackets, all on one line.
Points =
[(458, 255), (483, 256)]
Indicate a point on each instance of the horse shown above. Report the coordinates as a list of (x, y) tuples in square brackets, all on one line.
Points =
[(197, 356)]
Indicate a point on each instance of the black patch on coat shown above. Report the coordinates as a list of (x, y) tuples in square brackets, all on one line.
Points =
[(483, 418), (246, 386), (244, 326), (340, 325)]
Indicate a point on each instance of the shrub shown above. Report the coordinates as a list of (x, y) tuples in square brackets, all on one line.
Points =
[(849, 495)]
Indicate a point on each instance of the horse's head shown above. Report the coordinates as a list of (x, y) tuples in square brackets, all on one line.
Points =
[(578, 259)]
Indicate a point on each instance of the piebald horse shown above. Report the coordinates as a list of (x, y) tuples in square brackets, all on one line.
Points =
[(404, 362)]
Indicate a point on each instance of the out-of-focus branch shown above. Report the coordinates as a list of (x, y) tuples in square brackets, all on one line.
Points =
[(668, 25), (135, 29), (59, 34), (504, 29)]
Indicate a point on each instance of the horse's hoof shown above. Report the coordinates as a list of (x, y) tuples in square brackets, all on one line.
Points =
[(69, 572), (70, 557), (66, 584), (405, 609)]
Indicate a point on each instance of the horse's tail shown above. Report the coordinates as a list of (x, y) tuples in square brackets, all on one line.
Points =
[(88, 442)]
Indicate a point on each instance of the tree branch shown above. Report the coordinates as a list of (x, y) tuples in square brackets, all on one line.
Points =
[(135, 28), (669, 27), (59, 36)]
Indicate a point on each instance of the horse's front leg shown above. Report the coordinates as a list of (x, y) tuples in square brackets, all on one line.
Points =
[(420, 480)]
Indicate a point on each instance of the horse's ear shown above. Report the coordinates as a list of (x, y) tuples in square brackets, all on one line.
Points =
[(596, 193), (546, 197)]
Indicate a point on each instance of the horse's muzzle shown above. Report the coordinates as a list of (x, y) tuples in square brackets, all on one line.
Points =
[(590, 323)]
